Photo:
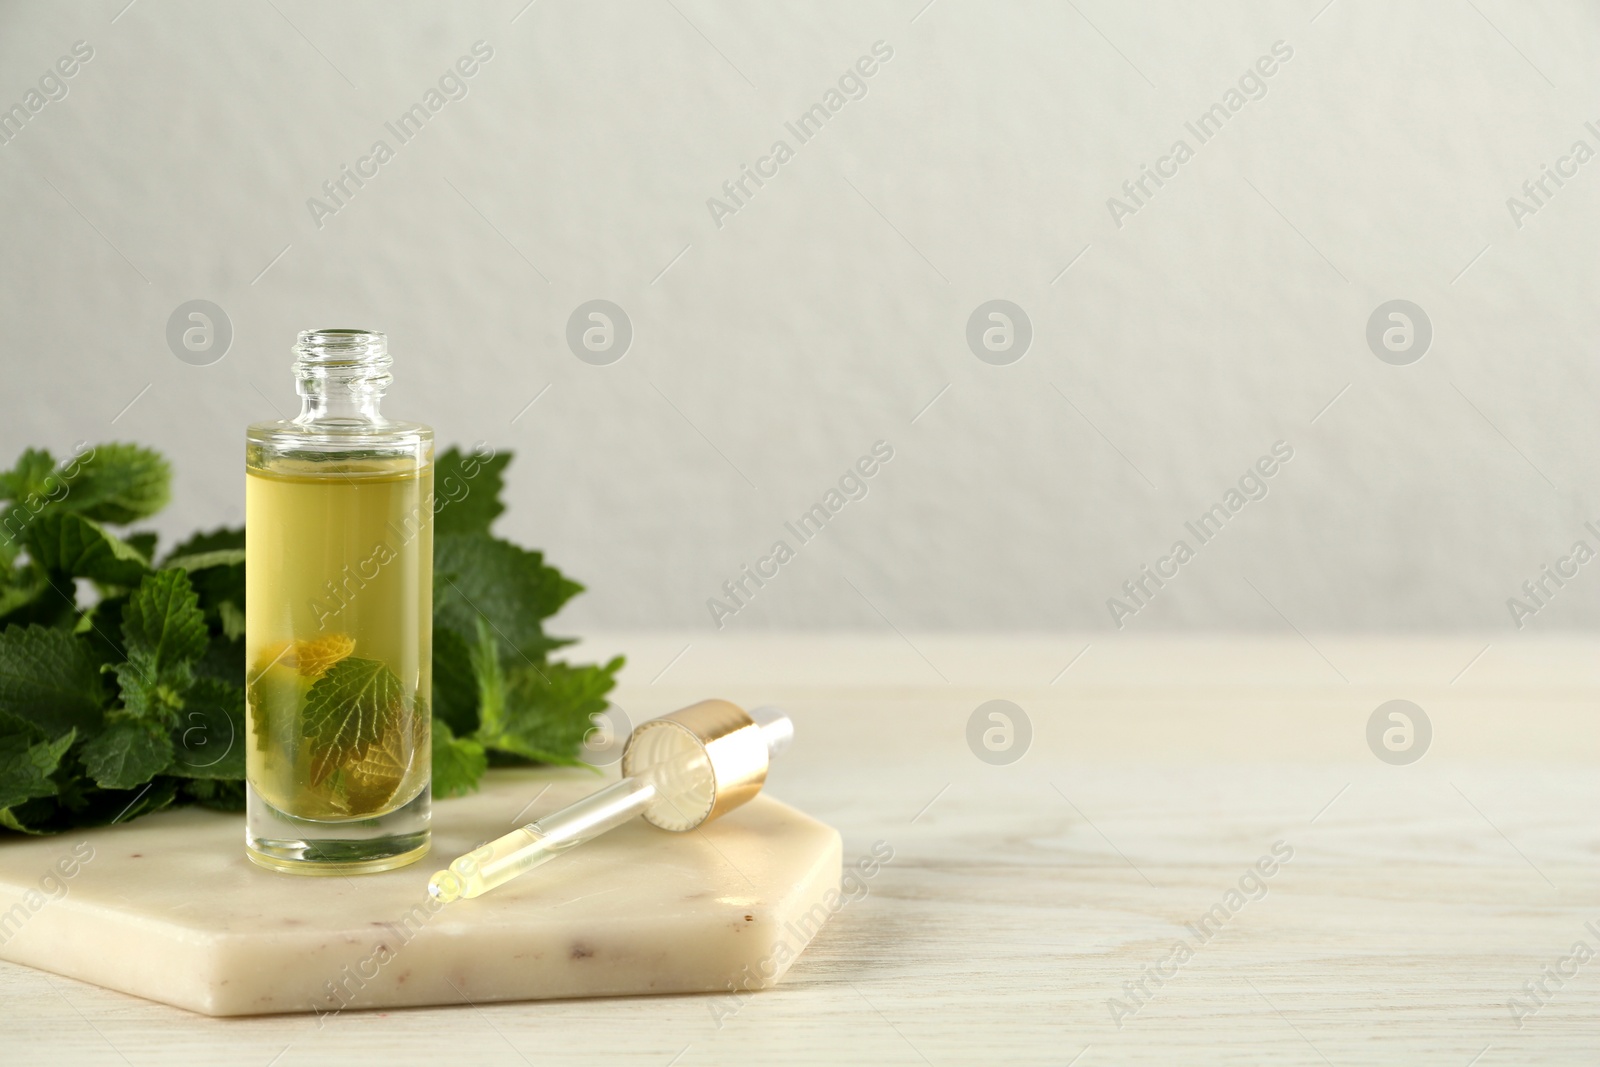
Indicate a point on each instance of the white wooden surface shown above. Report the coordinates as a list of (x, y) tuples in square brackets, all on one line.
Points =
[(1021, 898)]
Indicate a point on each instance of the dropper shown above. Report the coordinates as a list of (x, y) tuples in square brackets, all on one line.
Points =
[(679, 771)]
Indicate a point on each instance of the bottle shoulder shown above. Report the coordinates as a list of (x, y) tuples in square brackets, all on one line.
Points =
[(353, 433), (269, 443)]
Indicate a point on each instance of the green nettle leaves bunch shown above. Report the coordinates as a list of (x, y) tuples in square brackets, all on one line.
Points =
[(122, 671)]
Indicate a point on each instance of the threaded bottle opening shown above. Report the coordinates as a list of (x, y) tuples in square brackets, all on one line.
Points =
[(341, 373), (343, 346)]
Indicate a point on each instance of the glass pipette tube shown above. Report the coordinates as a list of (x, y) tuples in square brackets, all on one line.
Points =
[(683, 779), (524, 848)]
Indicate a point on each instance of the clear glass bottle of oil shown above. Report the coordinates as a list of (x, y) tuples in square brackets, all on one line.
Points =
[(338, 620)]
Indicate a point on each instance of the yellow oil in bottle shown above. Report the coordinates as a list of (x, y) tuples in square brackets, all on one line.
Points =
[(338, 634)]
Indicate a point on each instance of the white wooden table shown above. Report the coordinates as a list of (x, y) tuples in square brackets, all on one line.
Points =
[(1418, 900)]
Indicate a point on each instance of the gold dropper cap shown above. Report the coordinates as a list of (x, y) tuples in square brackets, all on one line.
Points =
[(735, 748)]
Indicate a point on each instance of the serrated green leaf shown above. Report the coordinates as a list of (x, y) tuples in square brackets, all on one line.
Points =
[(127, 754), (20, 589), (51, 679), (230, 620), (68, 543), (151, 697), (466, 491), (455, 687), (12, 819), (476, 575), (119, 483), (16, 725), (216, 794), (218, 579), (33, 486), (224, 660), (348, 709), (101, 626), (276, 695), (82, 803), (58, 748), (372, 779), (144, 542), (164, 633), (209, 740), (208, 541), (26, 766), (12, 521), (162, 621), (489, 680), (30, 477), (157, 797), (537, 713), (458, 762), (199, 561), (551, 709)]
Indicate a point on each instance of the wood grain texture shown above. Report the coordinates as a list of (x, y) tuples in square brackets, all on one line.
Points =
[(1021, 898)]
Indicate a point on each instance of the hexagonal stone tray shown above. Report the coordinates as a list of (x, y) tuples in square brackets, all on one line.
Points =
[(169, 908)]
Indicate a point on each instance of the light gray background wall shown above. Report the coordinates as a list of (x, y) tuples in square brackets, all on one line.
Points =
[(1168, 353)]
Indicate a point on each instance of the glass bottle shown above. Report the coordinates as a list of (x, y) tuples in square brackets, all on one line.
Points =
[(338, 620)]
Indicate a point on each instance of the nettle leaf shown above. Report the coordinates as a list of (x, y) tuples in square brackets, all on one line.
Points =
[(12, 522), (209, 740), (32, 486), (16, 724), (224, 660), (276, 694), (455, 686), (552, 708), (348, 709), (199, 561), (68, 543), (43, 600), (101, 625), (26, 766), (82, 804), (113, 807), (165, 634), (466, 491), (35, 486), (152, 697), (119, 483), (489, 676), (18, 819), (50, 678), (30, 477), (231, 620), (218, 579), (208, 541), (475, 575), (20, 587), (458, 762), (126, 754), (162, 621), (144, 542), (216, 793), (538, 713), (374, 778)]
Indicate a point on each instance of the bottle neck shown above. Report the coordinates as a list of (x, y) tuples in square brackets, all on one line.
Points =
[(341, 376)]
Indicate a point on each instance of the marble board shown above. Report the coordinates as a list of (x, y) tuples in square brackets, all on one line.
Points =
[(168, 908)]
